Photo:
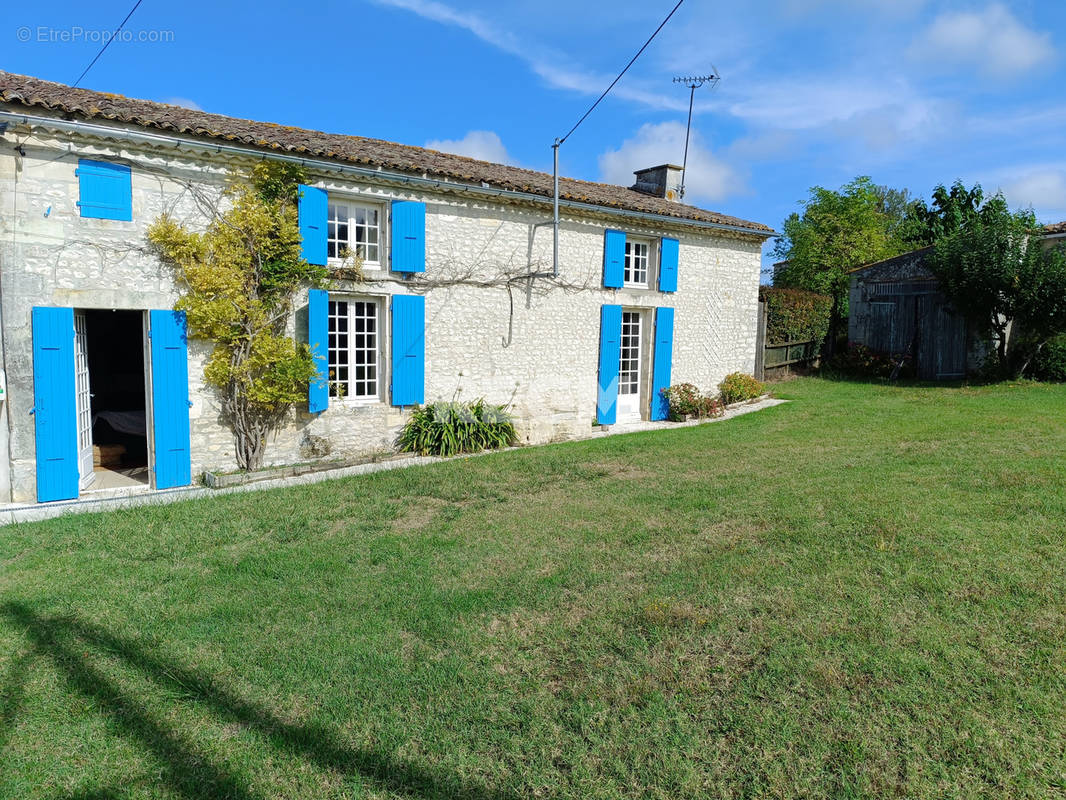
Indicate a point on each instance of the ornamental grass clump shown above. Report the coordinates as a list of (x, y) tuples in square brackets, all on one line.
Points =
[(738, 387), (451, 428)]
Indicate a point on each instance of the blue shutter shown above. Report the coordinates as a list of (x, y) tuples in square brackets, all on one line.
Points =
[(664, 352), (318, 340), (170, 399), (668, 265), (408, 349), (610, 344), (614, 256), (54, 405), (312, 214), (105, 191), (408, 248)]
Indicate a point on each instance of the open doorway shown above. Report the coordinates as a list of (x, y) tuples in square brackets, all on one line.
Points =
[(112, 419)]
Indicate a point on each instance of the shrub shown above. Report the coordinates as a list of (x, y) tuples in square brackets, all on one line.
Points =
[(684, 398), (447, 429), (795, 315), (738, 387), (860, 361), (1050, 363)]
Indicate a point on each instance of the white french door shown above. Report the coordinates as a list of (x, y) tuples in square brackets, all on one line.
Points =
[(629, 368), (82, 396)]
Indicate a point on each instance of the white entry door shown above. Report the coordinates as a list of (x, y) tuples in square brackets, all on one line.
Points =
[(629, 368), (81, 393)]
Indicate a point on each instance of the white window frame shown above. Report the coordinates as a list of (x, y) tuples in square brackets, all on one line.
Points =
[(627, 270), (379, 349), (633, 333), (353, 201)]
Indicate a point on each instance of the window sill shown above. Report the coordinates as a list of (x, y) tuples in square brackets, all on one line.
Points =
[(356, 402), (337, 263)]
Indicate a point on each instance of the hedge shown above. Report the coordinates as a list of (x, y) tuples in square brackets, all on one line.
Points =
[(795, 315), (1050, 363)]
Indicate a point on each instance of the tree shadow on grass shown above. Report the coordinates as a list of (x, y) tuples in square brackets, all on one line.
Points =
[(838, 376), (12, 696), (65, 640)]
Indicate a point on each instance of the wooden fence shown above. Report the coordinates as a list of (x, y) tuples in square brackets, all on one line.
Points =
[(789, 353), (772, 360)]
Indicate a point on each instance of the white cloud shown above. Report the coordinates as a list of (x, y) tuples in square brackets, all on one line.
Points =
[(772, 145), (991, 41), (915, 120), (797, 8), (708, 177), (553, 67), (184, 102), (880, 115), (1042, 187), (813, 102), (483, 145)]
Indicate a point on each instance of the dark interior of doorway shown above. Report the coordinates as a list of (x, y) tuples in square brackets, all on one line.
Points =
[(115, 348)]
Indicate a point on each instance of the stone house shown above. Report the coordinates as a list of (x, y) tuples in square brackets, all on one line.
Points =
[(1055, 235), (102, 386)]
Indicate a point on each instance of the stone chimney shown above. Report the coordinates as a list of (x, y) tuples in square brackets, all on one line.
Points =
[(662, 181)]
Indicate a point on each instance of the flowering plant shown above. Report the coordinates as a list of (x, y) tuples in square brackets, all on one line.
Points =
[(686, 399)]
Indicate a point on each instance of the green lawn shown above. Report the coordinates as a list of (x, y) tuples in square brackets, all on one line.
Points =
[(860, 593)]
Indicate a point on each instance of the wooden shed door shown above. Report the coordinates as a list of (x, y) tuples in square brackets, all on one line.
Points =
[(881, 327), (950, 332)]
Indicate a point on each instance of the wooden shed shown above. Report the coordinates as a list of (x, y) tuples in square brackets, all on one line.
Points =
[(896, 308)]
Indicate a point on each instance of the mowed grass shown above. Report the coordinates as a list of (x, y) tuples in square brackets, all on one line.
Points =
[(860, 593)]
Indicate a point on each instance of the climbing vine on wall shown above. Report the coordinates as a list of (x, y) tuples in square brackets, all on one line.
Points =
[(239, 280)]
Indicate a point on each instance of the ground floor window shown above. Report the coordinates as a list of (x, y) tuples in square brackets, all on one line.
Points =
[(354, 349)]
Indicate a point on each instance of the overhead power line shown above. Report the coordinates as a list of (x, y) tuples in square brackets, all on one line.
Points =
[(620, 74), (107, 44)]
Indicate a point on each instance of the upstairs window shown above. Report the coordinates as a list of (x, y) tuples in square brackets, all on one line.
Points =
[(635, 271), (354, 228)]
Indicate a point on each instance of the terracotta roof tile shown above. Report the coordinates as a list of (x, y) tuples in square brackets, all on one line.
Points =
[(1058, 227), (86, 104)]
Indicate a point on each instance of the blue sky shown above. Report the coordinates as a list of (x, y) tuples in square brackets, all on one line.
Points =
[(911, 92)]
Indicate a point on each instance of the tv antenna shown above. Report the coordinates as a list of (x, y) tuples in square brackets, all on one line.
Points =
[(693, 83)]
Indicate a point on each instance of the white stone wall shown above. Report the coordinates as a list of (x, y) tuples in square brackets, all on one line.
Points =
[(535, 346)]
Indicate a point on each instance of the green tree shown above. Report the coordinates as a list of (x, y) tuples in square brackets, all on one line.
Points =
[(895, 205), (239, 279), (996, 272), (951, 210), (838, 231)]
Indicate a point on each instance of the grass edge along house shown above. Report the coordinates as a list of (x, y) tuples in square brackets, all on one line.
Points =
[(458, 295)]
